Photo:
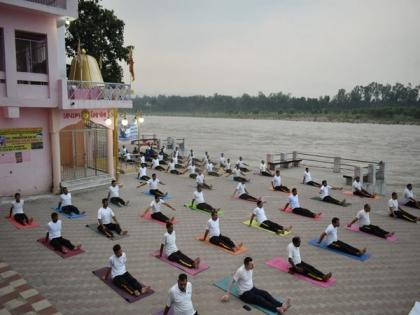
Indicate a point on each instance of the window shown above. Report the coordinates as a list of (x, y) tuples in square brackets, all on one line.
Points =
[(1, 50), (31, 52)]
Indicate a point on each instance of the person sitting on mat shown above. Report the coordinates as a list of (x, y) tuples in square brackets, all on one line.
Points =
[(172, 252), (358, 189), (276, 183), (263, 169), (16, 210), (263, 222), (156, 164), (324, 194), (248, 293), (179, 296), (364, 223), (142, 174), (228, 167), (333, 242), (65, 203), (105, 218), (153, 186), (211, 170), (242, 193), (307, 179), (199, 179), (397, 212), (114, 194), (222, 160), (293, 201), (155, 206), (213, 232), (301, 267), (120, 276), (198, 198), (192, 170), (237, 175), (242, 165), (409, 199), (172, 168), (54, 236)]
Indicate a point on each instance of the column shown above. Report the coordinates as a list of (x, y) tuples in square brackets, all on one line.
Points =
[(110, 152), (55, 149)]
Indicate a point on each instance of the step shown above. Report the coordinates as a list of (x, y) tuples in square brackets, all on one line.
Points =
[(87, 182)]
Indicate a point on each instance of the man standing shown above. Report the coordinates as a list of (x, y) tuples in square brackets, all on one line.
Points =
[(179, 296)]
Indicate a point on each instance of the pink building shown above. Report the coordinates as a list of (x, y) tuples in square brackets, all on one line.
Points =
[(52, 130)]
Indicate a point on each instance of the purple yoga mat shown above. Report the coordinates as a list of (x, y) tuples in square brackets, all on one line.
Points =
[(129, 298), (70, 253), (283, 265), (355, 228), (191, 271)]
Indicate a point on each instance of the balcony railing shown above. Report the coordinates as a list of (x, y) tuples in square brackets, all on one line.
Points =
[(52, 3), (86, 90)]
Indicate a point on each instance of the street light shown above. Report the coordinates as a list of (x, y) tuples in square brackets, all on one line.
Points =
[(138, 120), (124, 121)]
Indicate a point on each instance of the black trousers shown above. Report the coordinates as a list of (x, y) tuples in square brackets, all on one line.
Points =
[(229, 171), (222, 241), (144, 177), (69, 209), (282, 188), (411, 204), (265, 173), (127, 281), (244, 169), (312, 183), (159, 216), (330, 199), (212, 173), (110, 227), (261, 298), (310, 271), (156, 192), (343, 247), (159, 168), (205, 207), (180, 258), (401, 214), (21, 218), (271, 226), (193, 176), (117, 201), (239, 179), (373, 229), (176, 172), (59, 242), (247, 197), (304, 212)]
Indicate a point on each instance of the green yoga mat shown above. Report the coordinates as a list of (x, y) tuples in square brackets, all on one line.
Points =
[(194, 207), (257, 226)]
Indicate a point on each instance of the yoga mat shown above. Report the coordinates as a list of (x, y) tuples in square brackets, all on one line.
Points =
[(148, 217), (68, 216), (237, 198), (94, 228), (350, 193), (319, 199), (220, 213), (289, 210), (355, 228), (364, 257), (191, 271), (20, 226), (224, 283), (147, 193), (70, 253), (242, 250), (255, 225), (284, 192), (283, 265), (171, 312), (128, 297)]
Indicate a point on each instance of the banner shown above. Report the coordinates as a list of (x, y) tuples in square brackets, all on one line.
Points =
[(21, 139), (129, 132)]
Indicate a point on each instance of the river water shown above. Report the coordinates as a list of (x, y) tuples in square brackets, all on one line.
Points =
[(397, 145)]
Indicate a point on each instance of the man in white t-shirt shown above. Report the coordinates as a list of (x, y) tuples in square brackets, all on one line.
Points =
[(215, 237), (299, 266), (155, 206), (238, 176), (156, 164), (242, 165), (54, 236), (180, 297), (248, 293), (153, 186), (107, 222), (16, 211), (324, 194), (397, 212), (358, 189), (199, 179), (65, 203), (293, 201), (114, 194), (142, 174), (332, 240), (198, 198), (409, 199), (276, 183), (362, 217), (228, 167), (212, 170), (263, 222), (192, 170), (307, 179), (222, 160), (120, 276), (242, 193), (172, 168), (171, 250), (263, 170)]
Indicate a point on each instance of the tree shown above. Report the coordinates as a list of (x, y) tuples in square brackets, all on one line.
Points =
[(101, 34)]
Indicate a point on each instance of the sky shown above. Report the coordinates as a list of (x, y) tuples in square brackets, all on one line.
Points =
[(304, 47)]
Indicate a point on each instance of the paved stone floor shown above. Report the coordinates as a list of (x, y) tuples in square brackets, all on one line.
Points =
[(386, 284)]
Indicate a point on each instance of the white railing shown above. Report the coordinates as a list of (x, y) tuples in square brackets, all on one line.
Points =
[(52, 3), (86, 90)]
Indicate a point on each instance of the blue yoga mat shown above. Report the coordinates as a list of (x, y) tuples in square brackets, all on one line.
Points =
[(324, 246), (69, 216), (224, 283), (147, 193)]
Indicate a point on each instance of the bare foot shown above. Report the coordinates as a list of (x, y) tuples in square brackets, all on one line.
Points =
[(64, 251), (318, 215), (239, 246), (145, 290), (127, 202), (390, 234), (83, 212), (363, 251), (327, 277), (283, 309), (197, 262), (172, 220), (31, 220), (78, 247), (289, 228), (136, 292), (343, 202), (124, 232)]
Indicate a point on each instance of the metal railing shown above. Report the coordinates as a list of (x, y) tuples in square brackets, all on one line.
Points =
[(52, 3), (87, 90)]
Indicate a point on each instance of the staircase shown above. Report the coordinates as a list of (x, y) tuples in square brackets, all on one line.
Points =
[(87, 182)]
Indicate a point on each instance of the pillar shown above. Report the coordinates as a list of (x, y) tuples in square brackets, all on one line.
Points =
[(110, 151), (55, 150)]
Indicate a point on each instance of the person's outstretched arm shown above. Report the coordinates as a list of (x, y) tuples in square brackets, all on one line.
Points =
[(321, 237)]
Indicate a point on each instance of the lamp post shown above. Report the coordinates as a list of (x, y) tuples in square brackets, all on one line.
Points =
[(138, 120)]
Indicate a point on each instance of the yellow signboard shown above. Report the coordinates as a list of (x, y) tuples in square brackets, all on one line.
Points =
[(21, 139)]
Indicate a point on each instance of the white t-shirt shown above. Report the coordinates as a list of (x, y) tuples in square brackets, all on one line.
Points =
[(160, 156), (241, 188), (260, 215), (153, 184), (65, 199), (210, 167), (408, 194), (240, 163), (172, 166), (198, 197), (213, 227), (227, 166), (191, 169), (236, 172), (156, 205), (155, 163), (393, 204), (263, 168), (54, 229), (17, 207), (128, 156), (331, 232), (307, 177), (324, 191), (181, 301), (105, 215), (142, 159), (117, 265), (222, 161), (294, 201), (114, 191), (142, 171), (243, 279), (294, 253), (276, 181), (357, 186), (363, 218), (169, 241), (199, 179)]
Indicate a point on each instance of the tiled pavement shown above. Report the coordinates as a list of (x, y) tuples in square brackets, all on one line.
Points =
[(387, 284)]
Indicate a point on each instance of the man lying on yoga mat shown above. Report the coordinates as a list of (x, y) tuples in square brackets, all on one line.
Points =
[(241, 191), (248, 293), (155, 206), (242, 165), (54, 236), (307, 179), (201, 182), (324, 194), (263, 169), (172, 252), (105, 218), (293, 201), (173, 170), (179, 296), (333, 242), (409, 199), (364, 223), (238, 176), (65, 203), (120, 276), (142, 173), (16, 210), (198, 197), (213, 232), (299, 266), (114, 194), (358, 189), (259, 214), (397, 212), (276, 183), (153, 186)]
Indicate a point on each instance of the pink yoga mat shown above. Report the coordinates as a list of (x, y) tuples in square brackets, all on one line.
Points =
[(283, 265), (289, 210), (70, 253), (355, 228), (191, 271), (20, 226), (148, 217)]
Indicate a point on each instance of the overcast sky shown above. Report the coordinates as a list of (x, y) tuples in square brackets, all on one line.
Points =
[(306, 48)]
